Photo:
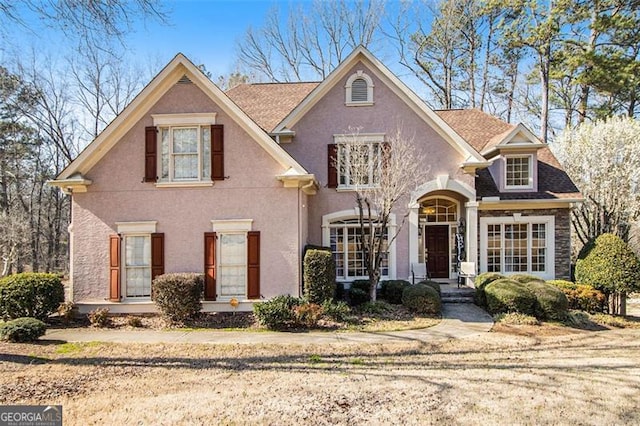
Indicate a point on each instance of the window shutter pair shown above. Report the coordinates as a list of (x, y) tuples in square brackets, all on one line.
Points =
[(151, 153), (115, 259), (253, 265)]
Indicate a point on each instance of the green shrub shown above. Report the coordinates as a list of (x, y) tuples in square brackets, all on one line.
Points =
[(361, 284), (178, 295), (358, 296), (30, 294), (135, 322), (422, 299), (99, 317), (480, 283), (434, 285), (552, 304), (562, 284), (524, 278), (610, 266), (22, 330), (392, 290), (319, 276), (515, 318), (375, 308), (337, 311), (340, 293), (277, 313), (505, 295)]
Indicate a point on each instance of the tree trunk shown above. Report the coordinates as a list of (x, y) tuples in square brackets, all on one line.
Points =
[(374, 279), (618, 303)]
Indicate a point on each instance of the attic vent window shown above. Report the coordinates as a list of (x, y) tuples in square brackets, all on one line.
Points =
[(359, 90), (184, 80)]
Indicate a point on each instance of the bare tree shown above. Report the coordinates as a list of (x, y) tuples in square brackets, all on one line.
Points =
[(381, 177), (309, 44)]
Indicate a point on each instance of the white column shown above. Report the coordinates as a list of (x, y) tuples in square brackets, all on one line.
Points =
[(472, 235), (413, 234)]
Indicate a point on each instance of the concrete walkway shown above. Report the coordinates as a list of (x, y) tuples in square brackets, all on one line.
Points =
[(459, 321)]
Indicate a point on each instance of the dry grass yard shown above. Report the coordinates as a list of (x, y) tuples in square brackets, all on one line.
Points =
[(516, 375)]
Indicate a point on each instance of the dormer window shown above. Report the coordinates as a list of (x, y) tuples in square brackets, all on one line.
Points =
[(518, 172), (359, 90)]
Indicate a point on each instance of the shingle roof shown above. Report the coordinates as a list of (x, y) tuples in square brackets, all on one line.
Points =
[(476, 127), (482, 131), (269, 103)]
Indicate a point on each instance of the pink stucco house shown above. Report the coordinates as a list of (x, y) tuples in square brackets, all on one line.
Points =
[(234, 185)]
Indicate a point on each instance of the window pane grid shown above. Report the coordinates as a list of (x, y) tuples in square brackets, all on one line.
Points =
[(520, 247), (350, 262), (185, 153), (137, 261), (359, 164), (233, 265), (517, 171)]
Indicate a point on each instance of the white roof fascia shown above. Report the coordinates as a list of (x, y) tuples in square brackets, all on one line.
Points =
[(139, 107)]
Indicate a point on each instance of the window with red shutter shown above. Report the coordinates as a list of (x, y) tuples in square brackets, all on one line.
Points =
[(210, 241)]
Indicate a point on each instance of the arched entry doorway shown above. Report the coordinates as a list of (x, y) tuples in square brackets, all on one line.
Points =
[(438, 219)]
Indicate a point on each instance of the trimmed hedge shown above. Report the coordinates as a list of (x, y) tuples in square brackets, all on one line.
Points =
[(392, 290), (434, 285), (22, 330), (524, 278), (609, 265), (30, 294), (358, 296), (551, 302), (178, 295), (277, 313), (422, 299), (505, 295), (480, 283), (319, 276)]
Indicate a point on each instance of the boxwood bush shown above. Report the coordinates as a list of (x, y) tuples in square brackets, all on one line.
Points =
[(319, 276), (480, 283), (22, 330), (524, 278), (30, 294), (391, 290), (178, 296), (277, 313), (505, 295), (551, 302), (358, 296), (422, 299), (434, 285)]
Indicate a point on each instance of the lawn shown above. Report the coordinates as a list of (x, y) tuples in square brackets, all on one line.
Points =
[(516, 375)]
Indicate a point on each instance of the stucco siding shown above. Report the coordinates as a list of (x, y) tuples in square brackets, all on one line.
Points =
[(251, 191), (389, 114)]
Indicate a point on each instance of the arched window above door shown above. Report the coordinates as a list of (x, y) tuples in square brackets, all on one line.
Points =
[(439, 210)]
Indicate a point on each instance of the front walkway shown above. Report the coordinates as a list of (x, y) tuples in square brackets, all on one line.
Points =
[(459, 321)]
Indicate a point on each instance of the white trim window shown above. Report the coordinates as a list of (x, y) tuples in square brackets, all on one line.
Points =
[(359, 160), (232, 266), (185, 153), (341, 232), (359, 90), (137, 266), (518, 171), (518, 246), (184, 146)]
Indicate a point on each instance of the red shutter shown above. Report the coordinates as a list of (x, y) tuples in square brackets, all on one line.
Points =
[(217, 152), (209, 266), (332, 157), (114, 268), (150, 153), (253, 265), (157, 255)]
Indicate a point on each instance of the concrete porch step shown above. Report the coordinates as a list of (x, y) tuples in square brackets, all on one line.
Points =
[(457, 299)]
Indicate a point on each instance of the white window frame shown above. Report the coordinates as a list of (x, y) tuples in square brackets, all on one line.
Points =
[(171, 122), (548, 221), (529, 157), (134, 229), (372, 140), (328, 223), (230, 227), (348, 89)]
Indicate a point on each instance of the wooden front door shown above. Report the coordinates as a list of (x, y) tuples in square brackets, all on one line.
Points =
[(437, 250)]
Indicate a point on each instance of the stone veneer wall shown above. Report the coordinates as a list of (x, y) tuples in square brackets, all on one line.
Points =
[(562, 234)]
